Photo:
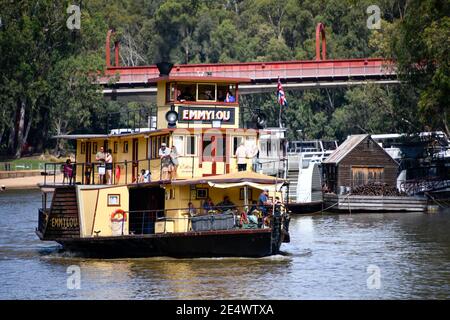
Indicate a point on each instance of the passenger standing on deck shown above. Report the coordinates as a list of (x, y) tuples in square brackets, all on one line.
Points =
[(164, 155), (241, 156), (264, 202), (109, 165), (174, 163), (100, 157), (254, 154), (68, 171)]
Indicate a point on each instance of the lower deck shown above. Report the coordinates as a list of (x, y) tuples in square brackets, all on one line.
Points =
[(220, 243)]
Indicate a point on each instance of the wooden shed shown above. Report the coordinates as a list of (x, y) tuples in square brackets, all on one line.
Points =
[(358, 161)]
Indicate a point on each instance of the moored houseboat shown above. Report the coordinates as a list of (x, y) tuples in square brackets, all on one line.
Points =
[(134, 200), (361, 176)]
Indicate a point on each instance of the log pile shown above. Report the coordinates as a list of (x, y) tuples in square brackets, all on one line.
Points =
[(377, 189)]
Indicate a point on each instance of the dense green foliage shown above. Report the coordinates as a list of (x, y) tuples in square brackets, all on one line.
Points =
[(47, 71)]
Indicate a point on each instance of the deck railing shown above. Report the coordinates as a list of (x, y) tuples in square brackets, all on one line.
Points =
[(221, 217), (127, 172)]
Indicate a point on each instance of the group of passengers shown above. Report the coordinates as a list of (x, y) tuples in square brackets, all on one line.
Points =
[(106, 165), (258, 215)]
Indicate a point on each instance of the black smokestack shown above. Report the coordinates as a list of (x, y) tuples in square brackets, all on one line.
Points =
[(164, 68)]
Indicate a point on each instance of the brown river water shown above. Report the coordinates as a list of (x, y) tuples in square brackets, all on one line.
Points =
[(358, 256)]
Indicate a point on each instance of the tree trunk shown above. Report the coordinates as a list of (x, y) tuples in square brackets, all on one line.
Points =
[(27, 130), (20, 130), (12, 134)]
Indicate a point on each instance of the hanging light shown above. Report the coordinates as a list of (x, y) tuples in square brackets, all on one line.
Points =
[(172, 117)]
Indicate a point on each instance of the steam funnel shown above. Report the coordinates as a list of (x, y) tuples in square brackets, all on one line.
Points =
[(164, 68)]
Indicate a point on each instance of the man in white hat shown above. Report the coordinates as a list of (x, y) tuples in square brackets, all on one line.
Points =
[(164, 155)]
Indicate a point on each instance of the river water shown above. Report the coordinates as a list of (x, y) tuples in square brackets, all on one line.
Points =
[(359, 256)]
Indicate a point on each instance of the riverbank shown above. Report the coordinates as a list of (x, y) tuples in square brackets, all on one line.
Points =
[(24, 182)]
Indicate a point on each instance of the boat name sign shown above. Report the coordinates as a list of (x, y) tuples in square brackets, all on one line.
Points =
[(206, 115)]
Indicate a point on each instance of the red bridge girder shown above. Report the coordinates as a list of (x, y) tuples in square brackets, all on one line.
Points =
[(263, 72)]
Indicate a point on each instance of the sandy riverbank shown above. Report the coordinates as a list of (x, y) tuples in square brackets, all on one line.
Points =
[(26, 182)]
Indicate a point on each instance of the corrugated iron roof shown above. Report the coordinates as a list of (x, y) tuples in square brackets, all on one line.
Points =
[(344, 149)]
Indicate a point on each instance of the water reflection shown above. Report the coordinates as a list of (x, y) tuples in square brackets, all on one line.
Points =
[(327, 258)]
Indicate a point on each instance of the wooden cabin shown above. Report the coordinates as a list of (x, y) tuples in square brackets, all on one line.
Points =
[(358, 161)]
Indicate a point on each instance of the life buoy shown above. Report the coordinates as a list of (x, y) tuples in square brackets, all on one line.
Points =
[(122, 216), (117, 173)]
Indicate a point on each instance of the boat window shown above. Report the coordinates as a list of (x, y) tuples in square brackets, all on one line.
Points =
[(116, 146), (191, 143), (223, 89), (83, 148), (236, 142), (206, 92), (186, 92), (178, 142), (170, 92), (94, 147), (125, 147)]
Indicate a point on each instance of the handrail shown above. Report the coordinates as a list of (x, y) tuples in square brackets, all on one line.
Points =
[(84, 173)]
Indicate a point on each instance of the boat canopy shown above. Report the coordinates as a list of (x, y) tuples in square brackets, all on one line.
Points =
[(238, 179)]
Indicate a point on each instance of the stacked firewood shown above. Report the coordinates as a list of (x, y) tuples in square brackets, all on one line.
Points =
[(377, 189)]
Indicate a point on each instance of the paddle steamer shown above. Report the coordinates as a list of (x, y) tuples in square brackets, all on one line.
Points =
[(109, 210)]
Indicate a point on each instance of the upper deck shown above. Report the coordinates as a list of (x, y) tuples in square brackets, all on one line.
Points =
[(198, 116)]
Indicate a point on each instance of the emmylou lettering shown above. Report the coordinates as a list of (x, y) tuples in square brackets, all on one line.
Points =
[(203, 115), (206, 115), (64, 223)]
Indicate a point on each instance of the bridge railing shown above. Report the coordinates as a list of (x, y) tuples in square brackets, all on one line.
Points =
[(305, 70)]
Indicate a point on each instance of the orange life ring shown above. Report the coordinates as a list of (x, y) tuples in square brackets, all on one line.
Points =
[(121, 213)]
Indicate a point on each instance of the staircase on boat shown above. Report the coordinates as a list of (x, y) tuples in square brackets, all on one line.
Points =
[(61, 219)]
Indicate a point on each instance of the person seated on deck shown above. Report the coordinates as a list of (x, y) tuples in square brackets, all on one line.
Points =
[(208, 206), (226, 205), (191, 210), (141, 176), (147, 176)]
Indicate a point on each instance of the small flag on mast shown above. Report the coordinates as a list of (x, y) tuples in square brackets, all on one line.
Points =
[(280, 95)]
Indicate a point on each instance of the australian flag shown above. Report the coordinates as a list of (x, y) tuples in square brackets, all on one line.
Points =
[(280, 95)]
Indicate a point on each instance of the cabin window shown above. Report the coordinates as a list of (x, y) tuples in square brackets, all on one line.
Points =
[(201, 193), (191, 143), (94, 147), (155, 145), (83, 148), (116, 147), (206, 92), (178, 142), (186, 92), (170, 92), (185, 145), (223, 89), (125, 147), (236, 143)]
